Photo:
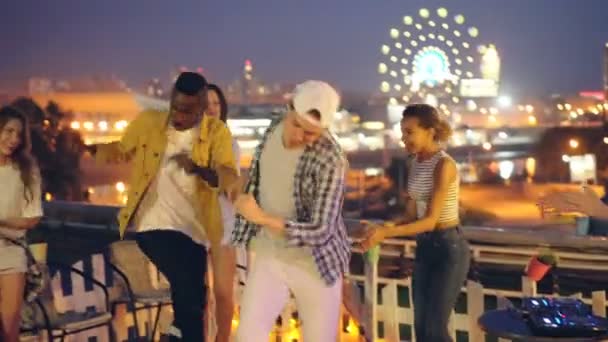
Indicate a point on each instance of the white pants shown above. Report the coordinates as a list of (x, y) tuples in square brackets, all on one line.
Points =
[(267, 291)]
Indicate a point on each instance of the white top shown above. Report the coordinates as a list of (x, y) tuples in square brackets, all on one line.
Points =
[(420, 187), (277, 171), (13, 203), (169, 202), (228, 213)]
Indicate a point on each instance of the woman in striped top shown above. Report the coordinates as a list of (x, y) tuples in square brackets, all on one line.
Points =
[(442, 253)]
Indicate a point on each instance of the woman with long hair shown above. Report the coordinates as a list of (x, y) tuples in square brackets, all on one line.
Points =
[(223, 257), (442, 253), (20, 210)]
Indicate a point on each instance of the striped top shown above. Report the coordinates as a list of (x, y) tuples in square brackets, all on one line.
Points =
[(420, 188)]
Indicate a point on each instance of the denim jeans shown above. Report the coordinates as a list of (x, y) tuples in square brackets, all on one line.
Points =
[(184, 263), (440, 269)]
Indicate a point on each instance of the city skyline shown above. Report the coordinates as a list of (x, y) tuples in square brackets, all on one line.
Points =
[(545, 46)]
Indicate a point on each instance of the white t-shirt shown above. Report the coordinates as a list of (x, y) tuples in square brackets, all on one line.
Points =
[(169, 202), (13, 203), (278, 167)]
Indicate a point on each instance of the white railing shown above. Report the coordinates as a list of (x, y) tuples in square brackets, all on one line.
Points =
[(390, 313)]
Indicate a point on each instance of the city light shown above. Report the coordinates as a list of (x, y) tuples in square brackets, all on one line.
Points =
[(529, 108), (503, 135), (373, 125), (505, 101), (88, 125), (75, 125), (248, 144), (486, 146), (385, 87), (120, 125), (103, 126), (120, 187), (473, 32), (373, 171), (242, 131), (506, 168), (532, 120), (606, 140), (566, 158), (382, 68), (531, 166), (573, 143), (471, 105)]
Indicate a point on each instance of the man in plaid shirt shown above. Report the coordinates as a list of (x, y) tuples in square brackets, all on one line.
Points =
[(291, 218)]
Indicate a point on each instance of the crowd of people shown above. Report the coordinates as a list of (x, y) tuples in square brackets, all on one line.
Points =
[(188, 201)]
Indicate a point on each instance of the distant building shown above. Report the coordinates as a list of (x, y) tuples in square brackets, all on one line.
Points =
[(39, 85), (248, 89)]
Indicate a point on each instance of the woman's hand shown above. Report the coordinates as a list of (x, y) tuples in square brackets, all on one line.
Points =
[(247, 206), (374, 235)]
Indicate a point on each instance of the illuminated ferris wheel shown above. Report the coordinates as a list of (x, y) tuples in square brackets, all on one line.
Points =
[(435, 57)]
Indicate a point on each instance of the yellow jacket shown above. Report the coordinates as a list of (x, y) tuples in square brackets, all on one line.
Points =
[(144, 144)]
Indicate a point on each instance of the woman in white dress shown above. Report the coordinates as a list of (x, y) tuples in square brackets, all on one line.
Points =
[(223, 257), (20, 210)]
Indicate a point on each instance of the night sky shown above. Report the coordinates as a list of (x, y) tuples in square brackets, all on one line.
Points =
[(546, 45)]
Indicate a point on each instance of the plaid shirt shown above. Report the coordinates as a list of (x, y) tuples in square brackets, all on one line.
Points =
[(319, 193)]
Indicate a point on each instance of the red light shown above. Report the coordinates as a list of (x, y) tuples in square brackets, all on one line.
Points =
[(199, 70), (247, 62), (598, 95)]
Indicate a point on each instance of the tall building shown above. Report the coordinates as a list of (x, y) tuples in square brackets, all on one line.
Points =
[(248, 82)]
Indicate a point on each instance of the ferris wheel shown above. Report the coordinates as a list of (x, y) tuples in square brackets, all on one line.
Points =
[(427, 58)]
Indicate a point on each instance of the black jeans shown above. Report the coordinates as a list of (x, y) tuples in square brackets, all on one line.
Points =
[(184, 263), (441, 266)]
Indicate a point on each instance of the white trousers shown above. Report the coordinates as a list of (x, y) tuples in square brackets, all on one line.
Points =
[(267, 291)]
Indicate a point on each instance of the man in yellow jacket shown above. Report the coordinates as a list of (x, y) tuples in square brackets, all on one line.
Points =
[(181, 161)]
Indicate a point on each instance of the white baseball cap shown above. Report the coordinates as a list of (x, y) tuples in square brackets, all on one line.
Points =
[(316, 95)]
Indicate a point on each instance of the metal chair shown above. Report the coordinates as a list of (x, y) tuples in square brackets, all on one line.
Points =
[(132, 267), (45, 316)]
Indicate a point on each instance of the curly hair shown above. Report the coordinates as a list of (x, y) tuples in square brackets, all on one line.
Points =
[(428, 117)]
